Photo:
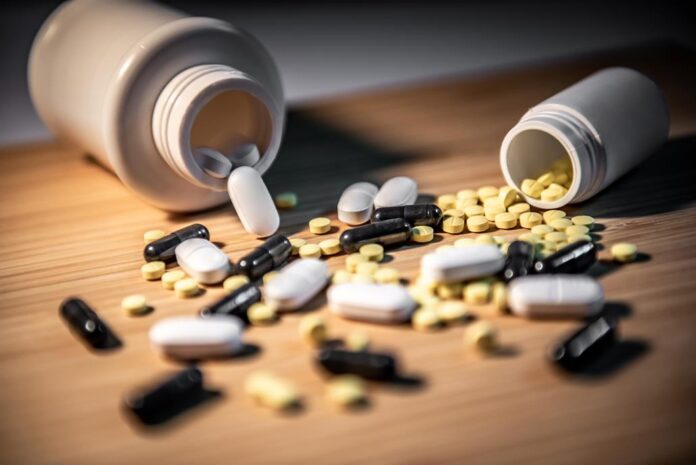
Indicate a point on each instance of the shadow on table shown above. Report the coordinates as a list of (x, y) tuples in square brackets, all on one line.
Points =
[(663, 183)]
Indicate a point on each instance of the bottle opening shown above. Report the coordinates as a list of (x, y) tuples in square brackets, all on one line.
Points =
[(538, 155)]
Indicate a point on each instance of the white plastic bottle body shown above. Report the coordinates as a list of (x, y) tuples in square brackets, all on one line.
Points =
[(140, 85), (606, 124)]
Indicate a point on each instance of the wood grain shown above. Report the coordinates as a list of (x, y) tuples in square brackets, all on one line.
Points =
[(67, 227)]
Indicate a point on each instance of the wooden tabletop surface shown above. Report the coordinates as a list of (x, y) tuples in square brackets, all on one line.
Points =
[(67, 227)]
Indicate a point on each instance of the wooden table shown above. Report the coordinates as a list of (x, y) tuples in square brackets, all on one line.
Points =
[(69, 228)]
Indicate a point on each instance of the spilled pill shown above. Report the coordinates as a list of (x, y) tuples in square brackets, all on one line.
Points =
[(396, 192), (190, 338), (163, 248), (385, 303), (297, 283), (547, 296), (203, 261), (252, 202), (356, 203)]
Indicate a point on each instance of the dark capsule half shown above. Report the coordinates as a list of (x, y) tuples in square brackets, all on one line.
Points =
[(236, 303), (585, 345), (389, 232), (171, 395), (519, 261), (163, 249), (416, 215), (369, 365), (574, 258), (84, 321), (273, 253)]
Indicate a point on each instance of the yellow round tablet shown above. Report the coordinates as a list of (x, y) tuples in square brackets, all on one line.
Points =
[(185, 288), (310, 251), (463, 203), (477, 292), (556, 236), (546, 179), (481, 336), (560, 224), (530, 219), (341, 277), (346, 391), (330, 247), (624, 252), (357, 341), (505, 221), (352, 261), (234, 282), (452, 311), (453, 225), (447, 201), (453, 212), (449, 290), (492, 202), (507, 195), (473, 210), (313, 330), (386, 275), (422, 234), (134, 305), (529, 237), (319, 225), (518, 208), (467, 194), (477, 224), (532, 188), (171, 277), (484, 239), (367, 268), (362, 279), (464, 242), (262, 314), (487, 191), (269, 276), (550, 215), (373, 252), (499, 297), (578, 237), (577, 230), (152, 235), (296, 243), (542, 229), (583, 220), (152, 270), (425, 319), (286, 200), (551, 195), (491, 211)]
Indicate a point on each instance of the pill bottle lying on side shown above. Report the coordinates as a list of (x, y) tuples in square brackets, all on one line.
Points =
[(571, 146), (144, 88)]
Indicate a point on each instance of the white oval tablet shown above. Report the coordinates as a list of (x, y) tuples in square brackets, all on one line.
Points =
[(191, 337), (459, 264), (246, 155), (356, 203), (253, 202), (396, 192), (546, 296), (384, 303), (297, 283), (203, 261), (213, 162)]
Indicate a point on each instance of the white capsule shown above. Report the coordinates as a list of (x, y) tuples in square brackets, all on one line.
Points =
[(203, 261), (459, 264), (384, 303), (246, 155), (213, 162), (191, 337), (546, 296), (355, 205), (253, 202), (297, 283), (396, 192)]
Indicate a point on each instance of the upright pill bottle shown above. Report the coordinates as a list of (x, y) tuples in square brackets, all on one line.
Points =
[(604, 125), (140, 85)]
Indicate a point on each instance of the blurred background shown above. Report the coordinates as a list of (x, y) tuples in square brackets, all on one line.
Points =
[(330, 48)]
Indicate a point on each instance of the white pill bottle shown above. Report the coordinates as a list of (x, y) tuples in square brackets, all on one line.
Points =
[(139, 85), (605, 125)]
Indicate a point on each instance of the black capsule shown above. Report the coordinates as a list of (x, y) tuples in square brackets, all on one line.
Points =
[(519, 261), (416, 215), (585, 345), (274, 252), (84, 321), (170, 395), (369, 365), (163, 249), (389, 232), (236, 303), (574, 258)]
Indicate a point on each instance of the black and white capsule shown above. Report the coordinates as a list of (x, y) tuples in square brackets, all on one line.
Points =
[(417, 215), (173, 394), (84, 321), (585, 345), (574, 258), (273, 253), (519, 261), (163, 249), (369, 365), (236, 303), (389, 232)]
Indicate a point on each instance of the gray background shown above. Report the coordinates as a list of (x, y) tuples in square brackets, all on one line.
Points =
[(332, 48)]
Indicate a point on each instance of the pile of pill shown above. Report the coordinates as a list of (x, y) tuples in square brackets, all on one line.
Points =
[(551, 185), (533, 273)]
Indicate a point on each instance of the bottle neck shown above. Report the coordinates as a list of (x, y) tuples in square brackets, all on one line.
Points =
[(530, 147), (214, 106)]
